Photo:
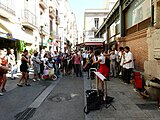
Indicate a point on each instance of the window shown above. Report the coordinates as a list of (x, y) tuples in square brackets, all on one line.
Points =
[(96, 22), (51, 26)]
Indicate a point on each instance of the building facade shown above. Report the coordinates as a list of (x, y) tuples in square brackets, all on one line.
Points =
[(93, 18), (67, 27), (135, 24), (38, 24)]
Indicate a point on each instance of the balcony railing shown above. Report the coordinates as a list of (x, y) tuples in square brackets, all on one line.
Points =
[(43, 3), (51, 12), (57, 20), (29, 19), (7, 6)]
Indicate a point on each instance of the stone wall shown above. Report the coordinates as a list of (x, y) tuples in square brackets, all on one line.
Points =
[(138, 46), (152, 65)]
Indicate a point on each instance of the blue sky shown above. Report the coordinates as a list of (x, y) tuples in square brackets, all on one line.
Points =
[(78, 7)]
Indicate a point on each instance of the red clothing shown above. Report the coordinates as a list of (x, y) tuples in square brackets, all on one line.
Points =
[(3, 61), (104, 70), (77, 59)]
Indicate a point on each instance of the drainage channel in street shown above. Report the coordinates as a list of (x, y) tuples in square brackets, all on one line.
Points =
[(29, 112)]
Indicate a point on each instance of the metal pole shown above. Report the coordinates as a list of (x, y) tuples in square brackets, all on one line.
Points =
[(41, 47)]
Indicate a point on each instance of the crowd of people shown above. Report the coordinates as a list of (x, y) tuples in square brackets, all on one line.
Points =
[(110, 63)]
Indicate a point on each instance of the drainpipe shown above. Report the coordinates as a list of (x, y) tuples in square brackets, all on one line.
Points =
[(122, 21), (152, 13)]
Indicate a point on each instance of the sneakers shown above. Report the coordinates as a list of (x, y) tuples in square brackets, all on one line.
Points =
[(1, 94), (34, 80)]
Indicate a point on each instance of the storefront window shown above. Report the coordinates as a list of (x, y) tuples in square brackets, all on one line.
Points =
[(137, 12)]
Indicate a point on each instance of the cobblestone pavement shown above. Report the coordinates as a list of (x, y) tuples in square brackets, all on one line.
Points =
[(129, 104)]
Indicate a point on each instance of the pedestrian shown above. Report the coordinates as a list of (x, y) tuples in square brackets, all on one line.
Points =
[(57, 60), (84, 56), (3, 70), (102, 68), (12, 63), (113, 64), (107, 62), (36, 66), (24, 69), (70, 66), (89, 59), (77, 63), (128, 64), (4, 62), (120, 58), (64, 63)]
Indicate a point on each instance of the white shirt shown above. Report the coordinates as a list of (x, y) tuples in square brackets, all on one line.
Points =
[(128, 57), (113, 56), (102, 58), (84, 55)]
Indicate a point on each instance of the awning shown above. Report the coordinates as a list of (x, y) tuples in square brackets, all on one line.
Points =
[(13, 30), (79, 44), (93, 43)]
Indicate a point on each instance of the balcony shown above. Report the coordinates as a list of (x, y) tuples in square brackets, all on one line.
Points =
[(57, 20), (43, 4), (6, 9), (44, 30), (29, 19), (51, 12)]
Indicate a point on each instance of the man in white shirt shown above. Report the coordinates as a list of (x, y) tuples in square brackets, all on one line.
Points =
[(84, 56), (128, 64), (120, 60), (113, 64)]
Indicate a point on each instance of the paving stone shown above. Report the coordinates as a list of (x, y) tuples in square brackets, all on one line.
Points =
[(126, 100)]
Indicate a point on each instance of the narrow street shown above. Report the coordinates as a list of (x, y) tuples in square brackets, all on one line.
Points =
[(44, 100), (64, 99), (65, 102)]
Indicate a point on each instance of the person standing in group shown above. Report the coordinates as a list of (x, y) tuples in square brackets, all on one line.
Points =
[(107, 62), (24, 69), (57, 60), (84, 56), (89, 59), (3, 70), (113, 64), (64, 64), (120, 60), (36, 66), (77, 63), (128, 64), (102, 68), (4, 61), (12, 63)]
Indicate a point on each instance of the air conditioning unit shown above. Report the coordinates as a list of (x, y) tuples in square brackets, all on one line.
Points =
[(157, 55)]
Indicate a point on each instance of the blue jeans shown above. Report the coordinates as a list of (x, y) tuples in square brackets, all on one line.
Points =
[(14, 71)]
